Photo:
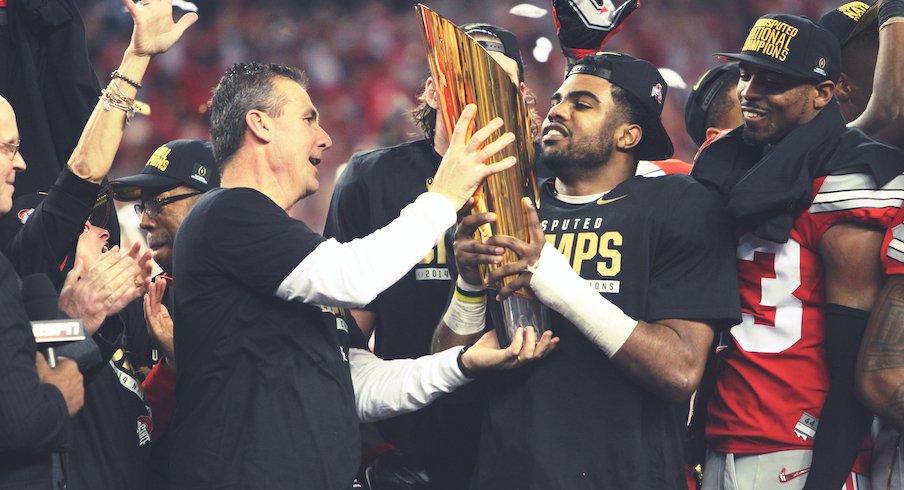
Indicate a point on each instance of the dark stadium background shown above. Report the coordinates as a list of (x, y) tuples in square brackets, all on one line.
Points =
[(366, 62)]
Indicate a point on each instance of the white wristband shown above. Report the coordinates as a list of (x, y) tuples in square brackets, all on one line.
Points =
[(466, 314), (557, 285)]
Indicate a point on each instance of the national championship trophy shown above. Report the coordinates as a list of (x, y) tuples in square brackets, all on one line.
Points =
[(465, 73)]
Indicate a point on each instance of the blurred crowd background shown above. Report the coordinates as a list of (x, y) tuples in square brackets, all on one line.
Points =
[(366, 62)]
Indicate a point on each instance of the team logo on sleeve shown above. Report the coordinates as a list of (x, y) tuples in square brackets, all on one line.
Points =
[(24, 214)]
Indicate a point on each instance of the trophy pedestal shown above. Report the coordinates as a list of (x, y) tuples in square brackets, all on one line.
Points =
[(518, 310)]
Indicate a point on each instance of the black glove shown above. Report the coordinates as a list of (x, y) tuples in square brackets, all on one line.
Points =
[(585, 26), (393, 471)]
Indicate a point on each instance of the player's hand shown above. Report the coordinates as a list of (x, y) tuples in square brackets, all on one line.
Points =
[(528, 254), (463, 169), (584, 29), (154, 31), (470, 252), (160, 323), (486, 354)]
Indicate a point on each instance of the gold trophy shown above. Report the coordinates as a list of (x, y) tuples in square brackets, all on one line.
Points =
[(465, 73)]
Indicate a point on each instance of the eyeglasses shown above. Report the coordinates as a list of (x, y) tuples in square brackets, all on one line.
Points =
[(153, 206), (12, 147)]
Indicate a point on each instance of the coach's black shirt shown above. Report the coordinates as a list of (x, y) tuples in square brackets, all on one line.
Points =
[(658, 248), (264, 393)]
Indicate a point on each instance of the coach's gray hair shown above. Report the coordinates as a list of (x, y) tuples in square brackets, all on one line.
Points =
[(244, 87)]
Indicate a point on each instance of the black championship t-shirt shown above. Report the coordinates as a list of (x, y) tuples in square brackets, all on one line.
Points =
[(658, 248), (264, 392), (371, 193)]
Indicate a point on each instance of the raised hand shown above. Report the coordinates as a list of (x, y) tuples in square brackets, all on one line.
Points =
[(463, 169), (528, 253), (160, 323), (92, 292), (154, 31), (585, 26)]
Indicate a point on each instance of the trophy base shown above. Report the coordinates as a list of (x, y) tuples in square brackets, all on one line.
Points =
[(515, 312)]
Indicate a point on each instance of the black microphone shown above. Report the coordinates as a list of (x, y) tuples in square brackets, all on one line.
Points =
[(54, 332)]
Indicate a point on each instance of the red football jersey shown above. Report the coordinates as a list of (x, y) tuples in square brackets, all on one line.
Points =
[(773, 379), (893, 246)]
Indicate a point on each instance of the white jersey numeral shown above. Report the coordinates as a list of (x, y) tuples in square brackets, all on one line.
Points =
[(775, 292)]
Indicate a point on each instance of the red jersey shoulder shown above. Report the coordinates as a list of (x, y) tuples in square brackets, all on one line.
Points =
[(854, 198), (658, 168)]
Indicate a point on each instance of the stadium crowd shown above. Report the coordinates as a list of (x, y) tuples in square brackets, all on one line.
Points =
[(296, 289)]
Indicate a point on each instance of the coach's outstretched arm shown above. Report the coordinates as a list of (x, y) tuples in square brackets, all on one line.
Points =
[(352, 274)]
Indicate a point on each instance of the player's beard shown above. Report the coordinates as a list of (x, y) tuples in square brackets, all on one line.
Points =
[(579, 158)]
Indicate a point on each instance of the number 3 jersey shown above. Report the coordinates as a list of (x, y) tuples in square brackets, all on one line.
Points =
[(774, 378)]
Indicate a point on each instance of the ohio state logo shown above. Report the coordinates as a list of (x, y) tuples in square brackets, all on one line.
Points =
[(656, 93), (145, 428), (24, 214)]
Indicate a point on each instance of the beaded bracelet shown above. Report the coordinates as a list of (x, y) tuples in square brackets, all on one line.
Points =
[(126, 79)]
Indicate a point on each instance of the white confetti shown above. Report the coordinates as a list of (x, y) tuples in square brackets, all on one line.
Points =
[(528, 10), (542, 49), (672, 78)]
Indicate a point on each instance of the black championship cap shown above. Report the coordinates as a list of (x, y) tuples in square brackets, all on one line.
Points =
[(642, 80), (179, 162), (702, 96), (791, 45), (509, 46), (851, 19)]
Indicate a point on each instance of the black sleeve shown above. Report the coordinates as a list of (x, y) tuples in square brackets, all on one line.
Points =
[(844, 421), (349, 216), (52, 230), (694, 274), (254, 240), (33, 416)]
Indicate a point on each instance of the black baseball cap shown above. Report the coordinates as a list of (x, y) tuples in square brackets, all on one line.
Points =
[(509, 46), (179, 162), (791, 45), (642, 80), (851, 19), (702, 96)]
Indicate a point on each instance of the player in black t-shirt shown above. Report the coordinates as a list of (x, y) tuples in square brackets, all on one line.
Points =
[(263, 385), (375, 186), (638, 274)]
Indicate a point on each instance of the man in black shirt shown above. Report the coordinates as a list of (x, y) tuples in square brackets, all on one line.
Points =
[(638, 274), (375, 186), (264, 389)]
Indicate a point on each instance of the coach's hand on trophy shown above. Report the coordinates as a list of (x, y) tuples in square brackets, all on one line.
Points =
[(463, 169), (528, 254)]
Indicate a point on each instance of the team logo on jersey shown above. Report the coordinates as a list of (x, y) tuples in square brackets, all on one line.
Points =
[(656, 93), (785, 477), (607, 201), (24, 214), (145, 428)]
